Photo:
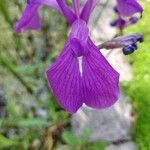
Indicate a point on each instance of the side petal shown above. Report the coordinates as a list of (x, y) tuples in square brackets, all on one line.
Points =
[(100, 81), (128, 7), (76, 7), (87, 9), (30, 18), (65, 80), (68, 13)]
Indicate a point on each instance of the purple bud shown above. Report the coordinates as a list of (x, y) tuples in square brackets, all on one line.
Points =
[(128, 50), (114, 23), (134, 20)]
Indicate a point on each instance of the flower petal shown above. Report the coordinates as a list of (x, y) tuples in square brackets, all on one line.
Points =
[(65, 74), (76, 7), (30, 18), (68, 13), (129, 7), (100, 80), (87, 9), (80, 31), (65, 80), (50, 3)]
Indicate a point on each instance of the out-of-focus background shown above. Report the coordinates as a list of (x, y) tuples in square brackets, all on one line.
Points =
[(31, 119)]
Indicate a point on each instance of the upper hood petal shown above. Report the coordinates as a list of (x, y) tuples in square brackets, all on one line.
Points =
[(128, 7)]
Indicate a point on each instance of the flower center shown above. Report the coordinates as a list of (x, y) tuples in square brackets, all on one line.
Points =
[(79, 51), (80, 62)]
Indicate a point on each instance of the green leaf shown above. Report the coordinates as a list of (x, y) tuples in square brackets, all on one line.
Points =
[(5, 142), (69, 138), (85, 136), (32, 122), (35, 122), (96, 146), (28, 70), (4, 12)]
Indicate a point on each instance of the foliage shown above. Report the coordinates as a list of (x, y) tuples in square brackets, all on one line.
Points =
[(29, 109), (139, 88), (81, 143)]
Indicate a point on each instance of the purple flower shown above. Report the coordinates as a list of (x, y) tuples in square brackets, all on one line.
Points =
[(80, 74), (123, 22), (128, 7)]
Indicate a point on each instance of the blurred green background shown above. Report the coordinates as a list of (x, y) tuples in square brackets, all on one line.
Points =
[(139, 88), (30, 118)]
